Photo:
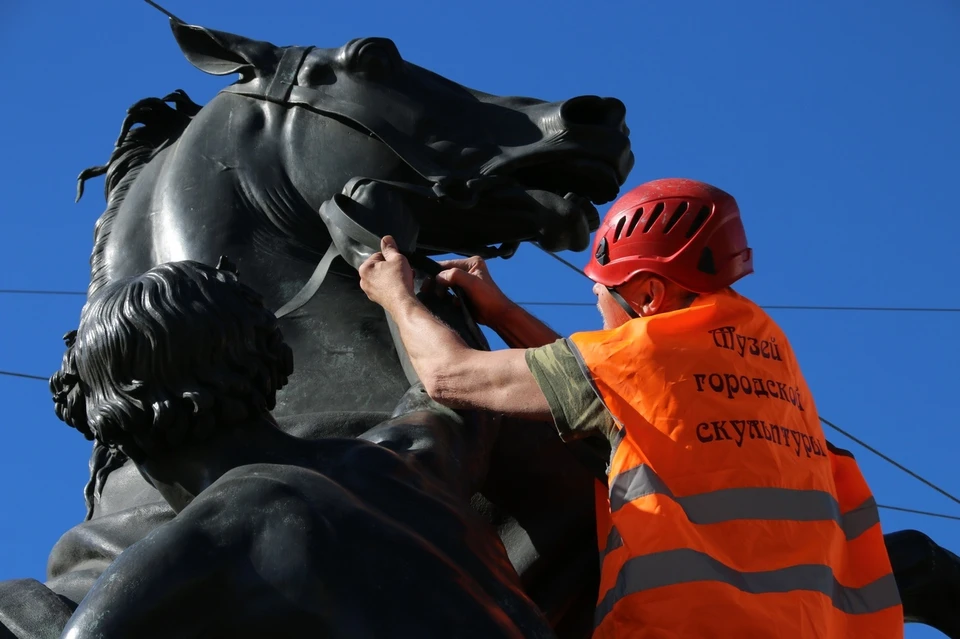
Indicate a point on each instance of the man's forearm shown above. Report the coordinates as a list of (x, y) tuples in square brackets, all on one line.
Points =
[(520, 329), (432, 346), (458, 376)]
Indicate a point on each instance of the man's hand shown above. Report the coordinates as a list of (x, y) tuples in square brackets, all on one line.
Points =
[(386, 277), (487, 301)]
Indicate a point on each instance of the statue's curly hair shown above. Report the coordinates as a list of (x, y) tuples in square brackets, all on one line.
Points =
[(167, 358)]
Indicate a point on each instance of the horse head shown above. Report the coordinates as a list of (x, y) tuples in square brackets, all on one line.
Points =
[(473, 169)]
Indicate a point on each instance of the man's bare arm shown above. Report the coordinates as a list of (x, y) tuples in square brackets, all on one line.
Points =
[(458, 376), (452, 373), (514, 325), (520, 329)]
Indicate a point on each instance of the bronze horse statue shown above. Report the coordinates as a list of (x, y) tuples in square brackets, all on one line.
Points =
[(285, 171), (258, 173)]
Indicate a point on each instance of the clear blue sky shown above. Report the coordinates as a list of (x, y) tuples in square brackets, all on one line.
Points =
[(833, 123)]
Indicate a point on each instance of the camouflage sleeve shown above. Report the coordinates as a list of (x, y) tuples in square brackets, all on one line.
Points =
[(577, 410)]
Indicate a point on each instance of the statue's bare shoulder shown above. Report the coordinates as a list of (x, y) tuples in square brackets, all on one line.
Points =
[(257, 520)]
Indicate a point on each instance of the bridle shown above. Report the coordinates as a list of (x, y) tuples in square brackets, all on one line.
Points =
[(391, 121)]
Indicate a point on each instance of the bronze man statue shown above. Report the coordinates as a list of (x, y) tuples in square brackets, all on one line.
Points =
[(274, 536)]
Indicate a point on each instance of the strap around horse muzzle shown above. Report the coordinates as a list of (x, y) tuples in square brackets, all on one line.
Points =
[(334, 213)]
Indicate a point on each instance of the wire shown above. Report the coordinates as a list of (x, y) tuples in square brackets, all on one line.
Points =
[(785, 307), (881, 506), (23, 375), (23, 291), (580, 272), (889, 460), (563, 261), (884, 309), (919, 512), (779, 307), (575, 269), (164, 11)]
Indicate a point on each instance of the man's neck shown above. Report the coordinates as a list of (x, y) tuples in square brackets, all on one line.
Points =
[(183, 474)]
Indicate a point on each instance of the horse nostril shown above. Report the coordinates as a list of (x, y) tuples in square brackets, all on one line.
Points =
[(591, 110)]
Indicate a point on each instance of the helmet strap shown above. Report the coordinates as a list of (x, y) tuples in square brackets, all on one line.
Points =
[(623, 303)]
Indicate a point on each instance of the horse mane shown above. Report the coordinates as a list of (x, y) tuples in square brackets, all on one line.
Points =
[(160, 125), (151, 126)]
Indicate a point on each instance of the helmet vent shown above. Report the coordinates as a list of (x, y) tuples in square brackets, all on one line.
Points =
[(634, 221), (657, 210), (603, 257), (616, 234), (698, 221), (706, 263), (681, 209)]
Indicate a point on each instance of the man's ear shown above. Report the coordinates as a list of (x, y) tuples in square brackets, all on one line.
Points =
[(222, 53), (654, 296), (644, 293)]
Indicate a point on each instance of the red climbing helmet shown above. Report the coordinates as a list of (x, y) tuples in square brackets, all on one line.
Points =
[(682, 230)]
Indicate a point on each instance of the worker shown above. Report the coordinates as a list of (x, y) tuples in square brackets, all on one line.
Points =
[(727, 513)]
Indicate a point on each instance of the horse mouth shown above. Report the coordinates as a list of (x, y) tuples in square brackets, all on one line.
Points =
[(577, 183), (547, 197), (596, 180)]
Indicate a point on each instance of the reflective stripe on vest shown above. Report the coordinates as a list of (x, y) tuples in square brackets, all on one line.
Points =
[(685, 566), (728, 504), (722, 499)]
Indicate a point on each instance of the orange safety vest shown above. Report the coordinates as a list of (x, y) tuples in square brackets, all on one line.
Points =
[(727, 513)]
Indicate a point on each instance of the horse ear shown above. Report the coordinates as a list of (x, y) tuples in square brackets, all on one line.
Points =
[(219, 52), (224, 264)]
